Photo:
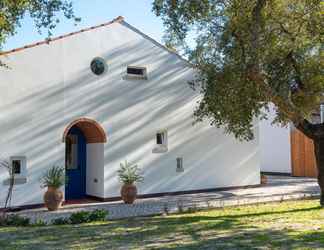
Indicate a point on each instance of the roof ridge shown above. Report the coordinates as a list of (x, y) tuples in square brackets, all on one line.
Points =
[(147, 37), (49, 40)]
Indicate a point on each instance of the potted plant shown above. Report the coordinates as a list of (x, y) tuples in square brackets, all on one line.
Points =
[(264, 179), (128, 175), (53, 179)]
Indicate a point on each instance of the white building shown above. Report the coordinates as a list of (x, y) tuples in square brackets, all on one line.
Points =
[(94, 98), (275, 146), (286, 150)]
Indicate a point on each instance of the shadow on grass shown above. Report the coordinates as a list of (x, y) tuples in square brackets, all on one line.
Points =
[(188, 231)]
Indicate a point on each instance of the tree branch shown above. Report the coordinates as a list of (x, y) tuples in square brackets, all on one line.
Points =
[(256, 26), (282, 104), (306, 127), (293, 62), (255, 74), (241, 44), (254, 71)]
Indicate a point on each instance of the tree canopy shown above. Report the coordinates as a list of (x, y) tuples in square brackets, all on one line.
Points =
[(249, 54), (45, 14)]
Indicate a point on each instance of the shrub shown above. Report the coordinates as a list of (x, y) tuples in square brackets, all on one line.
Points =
[(86, 217), (80, 217), (60, 221), (98, 215), (54, 177), (39, 223), (15, 220), (75, 218)]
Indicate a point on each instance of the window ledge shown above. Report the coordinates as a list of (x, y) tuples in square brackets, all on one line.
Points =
[(180, 170), (18, 181), (135, 77), (160, 149)]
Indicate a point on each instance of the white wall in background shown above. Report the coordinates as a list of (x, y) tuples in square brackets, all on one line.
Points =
[(275, 147)]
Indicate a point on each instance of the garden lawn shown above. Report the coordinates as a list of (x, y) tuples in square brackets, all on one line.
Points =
[(287, 225)]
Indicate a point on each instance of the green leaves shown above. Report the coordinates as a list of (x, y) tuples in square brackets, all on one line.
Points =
[(129, 174), (54, 177), (230, 101), (251, 53)]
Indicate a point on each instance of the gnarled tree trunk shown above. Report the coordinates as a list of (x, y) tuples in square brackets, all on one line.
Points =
[(319, 155), (316, 133)]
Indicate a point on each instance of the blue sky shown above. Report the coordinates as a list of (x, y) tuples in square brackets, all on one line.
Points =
[(136, 12)]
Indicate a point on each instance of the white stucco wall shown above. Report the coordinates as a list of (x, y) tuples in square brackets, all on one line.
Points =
[(95, 170), (275, 150), (49, 86)]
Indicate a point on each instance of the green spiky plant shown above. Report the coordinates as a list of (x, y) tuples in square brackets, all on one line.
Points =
[(54, 177), (129, 173)]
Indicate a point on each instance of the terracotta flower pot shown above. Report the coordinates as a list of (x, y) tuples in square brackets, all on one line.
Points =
[(53, 198), (128, 193), (264, 179)]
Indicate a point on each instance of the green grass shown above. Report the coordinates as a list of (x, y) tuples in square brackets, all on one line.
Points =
[(287, 225)]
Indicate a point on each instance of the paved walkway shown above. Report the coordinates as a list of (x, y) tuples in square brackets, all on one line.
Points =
[(278, 188)]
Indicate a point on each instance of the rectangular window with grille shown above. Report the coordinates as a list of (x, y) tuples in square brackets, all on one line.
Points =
[(135, 72)]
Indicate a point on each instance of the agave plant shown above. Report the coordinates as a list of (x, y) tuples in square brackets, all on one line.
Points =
[(129, 174), (54, 177)]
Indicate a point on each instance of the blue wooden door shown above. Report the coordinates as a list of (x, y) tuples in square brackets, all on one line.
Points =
[(76, 154)]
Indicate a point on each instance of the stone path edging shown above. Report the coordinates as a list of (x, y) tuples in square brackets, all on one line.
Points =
[(278, 189)]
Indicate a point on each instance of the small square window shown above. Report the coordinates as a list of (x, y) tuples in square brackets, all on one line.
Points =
[(161, 145), (160, 138), (16, 166), (19, 165), (135, 72)]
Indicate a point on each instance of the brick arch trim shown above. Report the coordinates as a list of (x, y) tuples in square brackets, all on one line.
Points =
[(92, 130)]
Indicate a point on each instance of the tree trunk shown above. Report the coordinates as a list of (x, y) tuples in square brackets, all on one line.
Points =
[(316, 133), (319, 155)]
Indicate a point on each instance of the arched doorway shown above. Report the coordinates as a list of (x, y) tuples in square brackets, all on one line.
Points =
[(76, 137)]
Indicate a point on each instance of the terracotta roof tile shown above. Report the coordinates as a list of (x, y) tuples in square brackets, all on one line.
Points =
[(48, 41)]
